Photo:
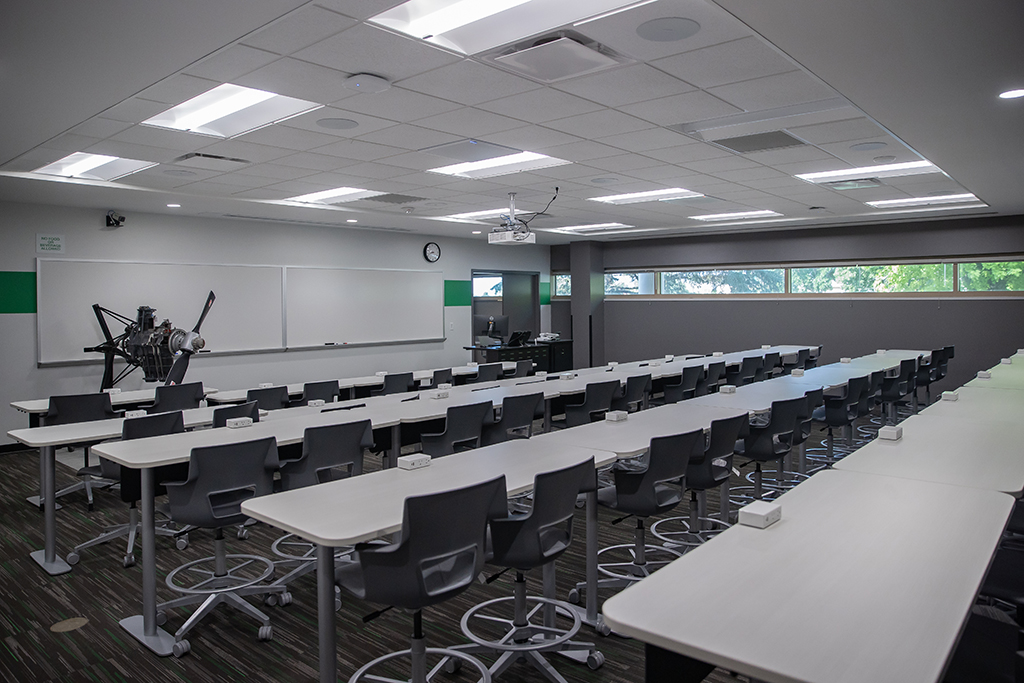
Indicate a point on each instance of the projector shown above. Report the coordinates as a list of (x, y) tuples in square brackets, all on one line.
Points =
[(511, 237)]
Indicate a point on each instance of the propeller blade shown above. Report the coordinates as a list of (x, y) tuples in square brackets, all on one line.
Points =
[(177, 371), (206, 309)]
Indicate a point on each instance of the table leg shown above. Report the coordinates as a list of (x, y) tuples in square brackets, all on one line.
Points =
[(143, 626), (396, 446), (547, 415), (325, 613), (47, 557)]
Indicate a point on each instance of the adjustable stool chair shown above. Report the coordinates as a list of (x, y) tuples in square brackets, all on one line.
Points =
[(770, 442), (327, 391), (397, 383), (463, 429), (709, 467), (489, 372), (635, 395), (597, 400), (172, 397), (516, 421), (712, 378), (439, 553), (222, 415), (270, 398), (220, 478), (840, 411), (329, 452), (813, 354), (747, 371), (74, 408), (651, 491), (687, 385), (896, 389), (771, 368), (524, 368), (158, 424), (802, 359), (523, 542), (442, 376), (870, 398)]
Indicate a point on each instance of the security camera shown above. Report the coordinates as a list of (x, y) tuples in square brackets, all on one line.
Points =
[(114, 219)]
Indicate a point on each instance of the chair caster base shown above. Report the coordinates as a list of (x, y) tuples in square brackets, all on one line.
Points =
[(181, 648), (573, 596), (595, 660), (128, 561), (266, 633), (283, 599), (73, 558), (181, 542)]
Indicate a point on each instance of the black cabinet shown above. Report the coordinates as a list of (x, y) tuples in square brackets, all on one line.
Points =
[(548, 357)]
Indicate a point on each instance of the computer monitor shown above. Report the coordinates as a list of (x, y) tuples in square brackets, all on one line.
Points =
[(493, 326)]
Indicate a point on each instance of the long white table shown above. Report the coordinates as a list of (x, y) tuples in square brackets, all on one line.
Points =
[(980, 403), (866, 579), (38, 406)]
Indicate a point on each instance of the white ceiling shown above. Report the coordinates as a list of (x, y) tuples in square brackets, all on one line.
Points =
[(922, 78)]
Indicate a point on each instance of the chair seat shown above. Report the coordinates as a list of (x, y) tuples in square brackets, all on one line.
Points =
[(91, 471), (350, 576), (666, 497)]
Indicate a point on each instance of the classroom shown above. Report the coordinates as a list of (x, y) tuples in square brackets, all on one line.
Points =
[(375, 187)]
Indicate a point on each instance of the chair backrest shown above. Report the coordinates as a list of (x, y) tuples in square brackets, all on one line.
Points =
[(775, 439), (222, 415), (597, 400), (71, 408), (813, 354), (637, 388), (441, 548), (517, 413), (171, 397), (711, 378), (442, 376), (801, 362), (768, 369), (747, 371), (713, 466), (647, 492), (947, 353), (687, 386), (327, 391), (524, 368), (325, 450), (396, 383), (903, 384), (157, 424), (870, 393), (843, 410), (545, 532), (270, 398), (815, 398), (489, 372), (463, 427), (220, 479)]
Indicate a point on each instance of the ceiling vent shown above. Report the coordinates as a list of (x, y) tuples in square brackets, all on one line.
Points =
[(394, 198), (759, 142), (555, 58), (211, 162), (855, 184)]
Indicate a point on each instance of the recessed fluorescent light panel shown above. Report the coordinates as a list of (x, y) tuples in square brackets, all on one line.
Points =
[(734, 216), (883, 171), (473, 26), (338, 195), (1011, 94), (489, 168), (94, 166), (594, 228), (229, 110), (924, 201), (473, 216), (649, 196), (922, 209)]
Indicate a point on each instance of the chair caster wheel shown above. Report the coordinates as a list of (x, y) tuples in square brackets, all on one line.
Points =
[(128, 561), (161, 618), (243, 533), (181, 542), (73, 558), (89, 506), (270, 600), (452, 665), (285, 599), (574, 596), (603, 629), (595, 660), (181, 648), (266, 633)]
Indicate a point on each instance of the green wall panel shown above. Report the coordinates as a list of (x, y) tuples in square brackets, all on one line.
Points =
[(456, 292), (17, 292), (545, 294)]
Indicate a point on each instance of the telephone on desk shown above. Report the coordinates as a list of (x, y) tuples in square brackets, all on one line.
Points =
[(547, 337)]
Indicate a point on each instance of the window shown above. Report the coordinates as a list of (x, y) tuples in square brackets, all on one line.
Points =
[(563, 284), (628, 283), (892, 278), (762, 281), (486, 286), (993, 276)]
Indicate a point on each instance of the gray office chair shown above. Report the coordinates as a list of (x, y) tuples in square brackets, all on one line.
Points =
[(635, 395), (489, 372), (712, 378), (222, 415), (172, 397), (130, 480), (803, 356), (524, 368), (897, 389), (329, 453), (397, 383), (442, 376), (516, 421), (537, 538), (463, 428), (438, 555), (709, 468), (770, 368), (220, 479), (269, 398), (653, 490), (814, 353), (73, 408), (770, 442), (686, 387), (597, 400), (327, 391), (747, 371)]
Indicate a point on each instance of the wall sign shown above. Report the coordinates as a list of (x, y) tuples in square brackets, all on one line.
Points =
[(49, 244)]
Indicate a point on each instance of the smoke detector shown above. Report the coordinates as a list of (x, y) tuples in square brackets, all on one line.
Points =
[(367, 83)]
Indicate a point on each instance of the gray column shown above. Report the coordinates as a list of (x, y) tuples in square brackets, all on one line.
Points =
[(586, 267)]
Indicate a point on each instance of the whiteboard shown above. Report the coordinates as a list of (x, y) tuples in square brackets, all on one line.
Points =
[(247, 315), (363, 306)]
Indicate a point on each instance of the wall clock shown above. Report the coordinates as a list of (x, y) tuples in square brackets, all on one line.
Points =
[(431, 252)]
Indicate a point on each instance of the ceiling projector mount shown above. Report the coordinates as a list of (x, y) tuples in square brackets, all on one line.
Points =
[(516, 229)]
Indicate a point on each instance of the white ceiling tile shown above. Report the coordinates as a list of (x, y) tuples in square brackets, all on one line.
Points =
[(134, 110), (738, 60), (358, 150), (683, 154), (409, 137), (814, 166), (582, 151), (744, 195), (788, 155), (643, 140), (176, 89), (262, 193), (295, 78), (398, 104), (691, 106), (713, 166), (231, 63), (375, 171), (163, 137), (243, 179), (745, 174), (623, 163), (70, 142), (299, 29), (294, 188), (838, 131), (598, 123), (129, 150), (155, 181), (469, 122), (311, 161), (654, 173), (627, 85), (294, 139), (468, 82), (866, 158), (100, 128), (366, 49), (532, 138), (423, 180), (781, 182), (246, 150), (418, 161), (566, 171), (277, 171), (366, 124), (363, 9), (209, 188), (774, 91), (540, 105)]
